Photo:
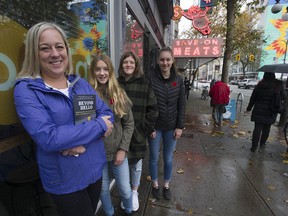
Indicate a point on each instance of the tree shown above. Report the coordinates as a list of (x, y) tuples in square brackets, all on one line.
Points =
[(233, 8), (224, 24), (248, 40)]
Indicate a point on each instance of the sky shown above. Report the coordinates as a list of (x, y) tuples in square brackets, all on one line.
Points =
[(184, 22)]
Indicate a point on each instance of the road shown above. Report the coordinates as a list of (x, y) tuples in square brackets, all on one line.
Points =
[(238, 93), (235, 91)]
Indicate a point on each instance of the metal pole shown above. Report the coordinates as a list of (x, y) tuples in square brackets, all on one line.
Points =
[(286, 42), (285, 51)]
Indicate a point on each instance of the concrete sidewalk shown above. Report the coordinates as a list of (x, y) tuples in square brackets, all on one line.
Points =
[(215, 173)]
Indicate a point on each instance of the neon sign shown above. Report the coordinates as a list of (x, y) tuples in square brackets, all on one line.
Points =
[(198, 17), (202, 47)]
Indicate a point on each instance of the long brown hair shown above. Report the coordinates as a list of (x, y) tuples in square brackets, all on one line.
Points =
[(138, 70)]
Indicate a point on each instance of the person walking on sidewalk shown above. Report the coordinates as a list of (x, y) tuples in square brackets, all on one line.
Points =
[(169, 89), (103, 80), (219, 94), (145, 112), (262, 114), (70, 156), (187, 87)]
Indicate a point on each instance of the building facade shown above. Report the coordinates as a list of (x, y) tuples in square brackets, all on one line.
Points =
[(92, 26), (107, 26)]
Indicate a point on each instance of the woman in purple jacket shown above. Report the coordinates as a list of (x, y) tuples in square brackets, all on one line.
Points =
[(70, 156)]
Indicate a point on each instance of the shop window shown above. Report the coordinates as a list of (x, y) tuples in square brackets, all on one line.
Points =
[(85, 23), (134, 35)]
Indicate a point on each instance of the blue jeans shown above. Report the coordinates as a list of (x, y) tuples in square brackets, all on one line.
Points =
[(122, 179), (169, 143), (136, 171), (217, 113)]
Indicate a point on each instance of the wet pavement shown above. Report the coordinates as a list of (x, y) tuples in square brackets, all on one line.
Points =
[(214, 172)]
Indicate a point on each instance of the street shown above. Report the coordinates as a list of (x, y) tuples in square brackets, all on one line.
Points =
[(235, 91), (214, 172)]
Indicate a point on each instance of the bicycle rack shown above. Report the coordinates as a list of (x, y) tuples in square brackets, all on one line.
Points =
[(240, 98)]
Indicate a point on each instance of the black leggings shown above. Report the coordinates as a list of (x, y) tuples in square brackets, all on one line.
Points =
[(262, 130), (83, 202)]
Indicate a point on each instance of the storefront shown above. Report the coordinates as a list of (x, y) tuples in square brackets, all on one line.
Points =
[(98, 26)]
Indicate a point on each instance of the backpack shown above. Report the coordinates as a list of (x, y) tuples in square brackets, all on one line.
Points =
[(277, 104)]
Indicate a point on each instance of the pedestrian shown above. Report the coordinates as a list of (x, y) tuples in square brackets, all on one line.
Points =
[(145, 113), (284, 114), (262, 114), (212, 83), (169, 89), (70, 157), (103, 80), (187, 87), (219, 94)]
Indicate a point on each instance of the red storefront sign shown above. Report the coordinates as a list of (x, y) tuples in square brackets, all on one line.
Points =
[(202, 47), (136, 47)]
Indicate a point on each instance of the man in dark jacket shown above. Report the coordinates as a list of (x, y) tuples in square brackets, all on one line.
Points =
[(187, 87), (219, 94)]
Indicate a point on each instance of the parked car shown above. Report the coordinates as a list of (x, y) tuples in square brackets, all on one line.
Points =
[(234, 82), (247, 83)]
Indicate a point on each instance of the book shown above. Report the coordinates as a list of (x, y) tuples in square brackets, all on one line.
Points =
[(84, 108)]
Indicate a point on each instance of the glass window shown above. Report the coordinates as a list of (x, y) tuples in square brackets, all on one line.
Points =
[(85, 23), (134, 35)]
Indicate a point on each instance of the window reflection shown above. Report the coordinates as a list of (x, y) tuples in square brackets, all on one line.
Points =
[(134, 35), (85, 23)]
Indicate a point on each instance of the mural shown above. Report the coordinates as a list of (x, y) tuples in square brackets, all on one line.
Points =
[(276, 31), (85, 24), (93, 30)]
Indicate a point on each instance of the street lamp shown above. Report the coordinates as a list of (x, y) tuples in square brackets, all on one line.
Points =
[(278, 7)]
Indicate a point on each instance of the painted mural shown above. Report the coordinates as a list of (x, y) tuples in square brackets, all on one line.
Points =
[(85, 23), (276, 31)]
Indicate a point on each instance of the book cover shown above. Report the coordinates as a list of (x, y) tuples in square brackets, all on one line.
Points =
[(84, 108)]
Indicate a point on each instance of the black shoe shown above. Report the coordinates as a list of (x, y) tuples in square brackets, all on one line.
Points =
[(167, 193), (263, 145), (156, 192), (252, 149)]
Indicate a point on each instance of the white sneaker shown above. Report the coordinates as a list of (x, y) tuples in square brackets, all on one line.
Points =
[(135, 201), (121, 205)]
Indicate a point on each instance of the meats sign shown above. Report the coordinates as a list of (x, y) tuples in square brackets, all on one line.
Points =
[(200, 47)]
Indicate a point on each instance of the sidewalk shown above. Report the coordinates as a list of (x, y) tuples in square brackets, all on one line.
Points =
[(215, 173)]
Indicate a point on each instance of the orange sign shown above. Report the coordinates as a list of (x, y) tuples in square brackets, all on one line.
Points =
[(202, 47), (177, 12)]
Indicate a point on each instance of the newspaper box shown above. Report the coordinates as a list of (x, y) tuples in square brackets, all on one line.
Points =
[(230, 113)]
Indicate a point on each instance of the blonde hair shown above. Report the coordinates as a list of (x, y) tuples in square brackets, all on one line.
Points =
[(117, 95), (137, 72), (31, 64)]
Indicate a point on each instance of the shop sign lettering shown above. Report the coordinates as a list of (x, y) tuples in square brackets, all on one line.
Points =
[(204, 47)]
